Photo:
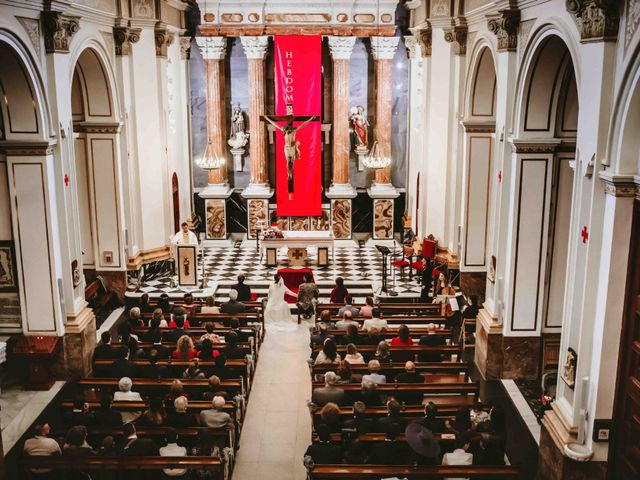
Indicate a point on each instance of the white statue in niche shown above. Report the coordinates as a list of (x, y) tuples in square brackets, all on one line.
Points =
[(238, 138), (360, 126)]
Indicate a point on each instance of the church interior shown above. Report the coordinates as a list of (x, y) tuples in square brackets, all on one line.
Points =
[(346, 239)]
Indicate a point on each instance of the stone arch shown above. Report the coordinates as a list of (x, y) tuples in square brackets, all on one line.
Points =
[(480, 98)]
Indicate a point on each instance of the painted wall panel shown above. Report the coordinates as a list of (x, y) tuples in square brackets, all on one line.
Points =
[(478, 183)]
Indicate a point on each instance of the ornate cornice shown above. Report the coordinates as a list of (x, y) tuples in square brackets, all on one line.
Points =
[(457, 36), (426, 40), (111, 127), (212, 48), (24, 149), (58, 30), (479, 127), (164, 39), (255, 47), (619, 185), (124, 37), (597, 20), (384, 48), (504, 26), (185, 48), (534, 146), (341, 47)]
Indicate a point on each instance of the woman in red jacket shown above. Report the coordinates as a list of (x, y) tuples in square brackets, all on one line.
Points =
[(339, 291), (184, 349), (403, 339)]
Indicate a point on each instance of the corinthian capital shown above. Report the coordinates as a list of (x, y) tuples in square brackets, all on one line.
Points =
[(384, 48), (124, 37), (458, 37), (504, 25), (341, 47), (255, 47), (597, 20), (164, 39), (58, 30), (212, 48)]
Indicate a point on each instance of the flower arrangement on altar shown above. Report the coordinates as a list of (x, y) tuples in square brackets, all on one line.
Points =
[(272, 232)]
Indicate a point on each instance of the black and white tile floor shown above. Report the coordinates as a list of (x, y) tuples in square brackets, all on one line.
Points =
[(361, 269)]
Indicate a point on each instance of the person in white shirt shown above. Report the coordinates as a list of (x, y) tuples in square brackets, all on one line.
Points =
[(172, 449), (375, 321), (184, 236), (353, 356), (126, 395), (374, 373), (478, 415), (41, 445), (461, 455)]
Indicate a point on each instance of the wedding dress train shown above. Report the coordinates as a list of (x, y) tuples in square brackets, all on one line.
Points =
[(277, 315)]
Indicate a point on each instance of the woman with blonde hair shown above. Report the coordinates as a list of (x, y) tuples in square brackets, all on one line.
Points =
[(382, 352), (159, 316), (184, 349), (353, 356)]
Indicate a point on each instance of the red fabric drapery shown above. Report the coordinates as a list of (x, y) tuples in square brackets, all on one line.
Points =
[(293, 278)]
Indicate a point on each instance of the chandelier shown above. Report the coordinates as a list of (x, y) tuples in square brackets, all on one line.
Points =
[(210, 160), (374, 159)]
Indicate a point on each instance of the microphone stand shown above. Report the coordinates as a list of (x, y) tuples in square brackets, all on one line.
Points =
[(392, 291)]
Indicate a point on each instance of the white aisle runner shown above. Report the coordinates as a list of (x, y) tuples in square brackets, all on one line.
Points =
[(277, 428)]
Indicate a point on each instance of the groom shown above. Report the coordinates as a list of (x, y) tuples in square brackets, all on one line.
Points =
[(307, 297)]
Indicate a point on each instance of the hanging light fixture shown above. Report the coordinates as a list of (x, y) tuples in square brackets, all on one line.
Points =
[(210, 160), (374, 159)]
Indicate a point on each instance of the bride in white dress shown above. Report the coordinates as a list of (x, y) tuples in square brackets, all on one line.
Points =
[(277, 315)]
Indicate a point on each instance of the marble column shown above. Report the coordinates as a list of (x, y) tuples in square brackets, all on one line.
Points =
[(382, 191), (213, 52), (255, 49), (341, 48), (258, 191)]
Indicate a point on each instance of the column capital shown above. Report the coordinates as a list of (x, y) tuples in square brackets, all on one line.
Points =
[(164, 39), (457, 35), (504, 26), (185, 48), (212, 48), (255, 47), (124, 37), (426, 40), (414, 48), (619, 185), (58, 30), (341, 47), (597, 20), (384, 48)]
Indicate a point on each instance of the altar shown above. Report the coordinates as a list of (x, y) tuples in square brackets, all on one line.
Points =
[(296, 243)]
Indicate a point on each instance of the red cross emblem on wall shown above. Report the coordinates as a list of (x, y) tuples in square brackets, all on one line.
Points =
[(585, 234), (66, 180)]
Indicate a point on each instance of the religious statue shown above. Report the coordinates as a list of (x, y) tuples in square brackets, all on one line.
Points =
[(291, 146), (238, 138), (569, 369), (360, 132)]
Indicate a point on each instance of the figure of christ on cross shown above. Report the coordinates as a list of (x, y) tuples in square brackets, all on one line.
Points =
[(291, 146)]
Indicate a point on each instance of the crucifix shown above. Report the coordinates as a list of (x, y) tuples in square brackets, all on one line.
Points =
[(291, 146)]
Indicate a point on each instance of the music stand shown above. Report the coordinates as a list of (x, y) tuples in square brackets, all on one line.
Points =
[(385, 253)]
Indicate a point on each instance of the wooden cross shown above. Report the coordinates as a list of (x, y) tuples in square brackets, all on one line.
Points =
[(297, 253), (585, 234)]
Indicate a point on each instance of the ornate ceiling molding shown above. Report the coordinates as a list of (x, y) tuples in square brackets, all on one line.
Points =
[(597, 20), (124, 38), (457, 36), (164, 39), (504, 26), (341, 47), (58, 30)]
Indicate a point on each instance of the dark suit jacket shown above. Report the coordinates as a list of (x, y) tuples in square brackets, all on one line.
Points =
[(244, 292), (152, 371), (174, 334), (436, 425), (140, 447), (79, 418), (322, 452), (181, 420), (232, 307), (432, 340), (122, 368), (388, 453), (235, 352), (361, 425), (107, 418), (383, 424), (106, 352), (413, 377)]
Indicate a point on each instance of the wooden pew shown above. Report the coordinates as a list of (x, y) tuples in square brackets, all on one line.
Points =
[(194, 406), (121, 464), (399, 354), (97, 295), (393, 369), (453, 391), (392, 331), (392, 309), (375, 472), (409, 412), (163, 385)]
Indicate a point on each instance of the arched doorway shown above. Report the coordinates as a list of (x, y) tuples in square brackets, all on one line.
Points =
[(96, 146)]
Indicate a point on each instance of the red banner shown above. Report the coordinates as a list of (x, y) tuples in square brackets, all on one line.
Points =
[(298, 64)]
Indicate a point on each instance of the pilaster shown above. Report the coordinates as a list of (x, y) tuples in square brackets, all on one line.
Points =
[(58, 30)]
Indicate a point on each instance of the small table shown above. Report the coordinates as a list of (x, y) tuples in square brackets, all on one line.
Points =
[(297, 243), (39, 352)]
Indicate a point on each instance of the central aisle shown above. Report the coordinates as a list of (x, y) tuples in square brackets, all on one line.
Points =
[(277, 428)]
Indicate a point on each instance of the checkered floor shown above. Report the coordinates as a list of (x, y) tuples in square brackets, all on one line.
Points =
[(361, 269)]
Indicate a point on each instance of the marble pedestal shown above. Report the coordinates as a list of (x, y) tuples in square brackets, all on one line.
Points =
[(257, 207), (341, 196), (78, 344), (552, 463), (498, 356), (383, 196), (215, 201)]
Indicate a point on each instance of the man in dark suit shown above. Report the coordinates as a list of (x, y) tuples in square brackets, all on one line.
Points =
[(392, 420), (430, 420), (137, 447), (391, 451), (329, 393), (359, 422), (122, 367), (105, 416), (153, 370), (244, 291), (431, 339), (232, 350), (80, 415), (220, 370), (105, 351), (233, 306), (410, 376), (179, 418), (324, 451), (174, 334), (156, 344)]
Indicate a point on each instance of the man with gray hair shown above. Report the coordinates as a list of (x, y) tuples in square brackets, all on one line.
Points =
[(180, 418), (329, 393), (233, 306), (347, 319), (216, 417), (374, 373)]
